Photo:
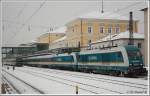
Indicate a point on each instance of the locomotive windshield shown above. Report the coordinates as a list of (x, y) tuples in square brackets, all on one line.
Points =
[(134, 54), (135, 57)]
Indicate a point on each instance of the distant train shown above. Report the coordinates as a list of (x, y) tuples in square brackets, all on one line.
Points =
[(123, 60)]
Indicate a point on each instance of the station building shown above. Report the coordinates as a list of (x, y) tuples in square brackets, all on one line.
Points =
[(93, 26), (38, 46), (52, 36), (10, 54), (59, 43)]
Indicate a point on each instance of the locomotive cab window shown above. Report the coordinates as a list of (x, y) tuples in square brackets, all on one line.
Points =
[(133, 53), (119, 56)]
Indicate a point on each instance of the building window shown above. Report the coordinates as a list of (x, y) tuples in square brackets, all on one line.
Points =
[(72, 29), (109, 30), (89, 29), (117, 30), (139, 45), (101, 29), (79, 44)]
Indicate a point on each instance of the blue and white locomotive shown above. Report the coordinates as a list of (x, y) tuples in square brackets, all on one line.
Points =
[(123, 60)]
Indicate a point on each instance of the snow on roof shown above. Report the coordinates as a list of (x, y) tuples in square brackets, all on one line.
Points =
[(59, 30), (33, 41), (105, 15), (99, 15), (122, 35), (61, 39)]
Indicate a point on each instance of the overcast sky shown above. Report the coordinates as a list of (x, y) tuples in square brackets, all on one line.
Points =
[(23, 21)]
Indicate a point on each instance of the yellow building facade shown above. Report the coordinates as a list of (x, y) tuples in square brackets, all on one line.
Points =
[(49, 37), (52, 36), (82, 31)]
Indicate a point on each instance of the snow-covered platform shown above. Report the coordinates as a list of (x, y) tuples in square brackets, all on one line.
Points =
[(33, 80)]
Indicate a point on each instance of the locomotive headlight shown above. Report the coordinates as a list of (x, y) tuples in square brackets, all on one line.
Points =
[(130, 64)]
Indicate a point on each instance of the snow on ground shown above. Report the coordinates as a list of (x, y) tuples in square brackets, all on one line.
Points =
[(47, 86), (52, 81), (23, 88)]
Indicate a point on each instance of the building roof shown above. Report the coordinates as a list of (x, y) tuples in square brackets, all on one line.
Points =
[(100, 16), (105, 15), (61, 39), (59, 30), (122, 35)]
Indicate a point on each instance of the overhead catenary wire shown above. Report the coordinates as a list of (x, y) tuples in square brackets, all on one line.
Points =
[(124, 8), (28, 20), (22, 9), (24, 24), (32, 25), (102, 11)]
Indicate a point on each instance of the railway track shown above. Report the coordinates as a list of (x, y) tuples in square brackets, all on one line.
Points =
[(134, 85), (9, 87), (18, 79), (62, 80), (123, 83), (89, 87)]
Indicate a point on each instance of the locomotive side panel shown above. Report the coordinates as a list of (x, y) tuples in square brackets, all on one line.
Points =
[(102, 62)]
